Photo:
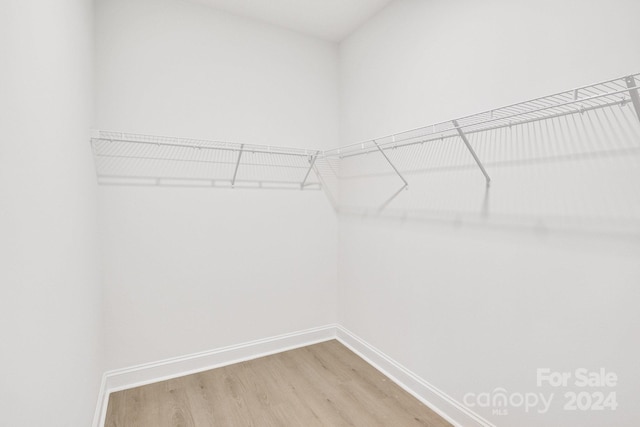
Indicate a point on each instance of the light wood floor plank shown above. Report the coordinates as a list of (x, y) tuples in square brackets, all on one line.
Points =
[(320, 385)]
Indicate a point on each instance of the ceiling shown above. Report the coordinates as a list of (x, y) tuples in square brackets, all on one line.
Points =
[(331, 20)]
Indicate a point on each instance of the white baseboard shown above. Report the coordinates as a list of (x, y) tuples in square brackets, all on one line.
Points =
[(148, 373), (101, 407), (441, 403)]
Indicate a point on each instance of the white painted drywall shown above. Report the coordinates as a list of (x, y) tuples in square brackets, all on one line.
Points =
[(328, 19), (193, 269), (50, 309), (468, 308)]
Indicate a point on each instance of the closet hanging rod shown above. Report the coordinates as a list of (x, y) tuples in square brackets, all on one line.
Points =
[(151, 181), (623, 88)]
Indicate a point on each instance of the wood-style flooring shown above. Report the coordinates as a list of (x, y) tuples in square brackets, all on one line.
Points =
[(324, 384)]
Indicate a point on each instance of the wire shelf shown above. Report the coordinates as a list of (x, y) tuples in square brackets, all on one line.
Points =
[(592, 123), (135, 159), (566, 161), (616, 92)]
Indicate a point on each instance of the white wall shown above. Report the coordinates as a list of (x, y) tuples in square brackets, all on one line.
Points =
[(190, 269), (50, 312), (172, 67), (468, 308)]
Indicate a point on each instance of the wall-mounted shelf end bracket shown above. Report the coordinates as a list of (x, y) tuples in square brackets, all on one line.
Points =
[(633, 92), (473, 153)]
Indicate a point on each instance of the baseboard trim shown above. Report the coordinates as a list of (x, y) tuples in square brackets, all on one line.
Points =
[(447, 407), (101, 406), (440, 402), (135, 376)]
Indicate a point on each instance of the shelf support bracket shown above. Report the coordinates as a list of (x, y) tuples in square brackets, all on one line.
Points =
[(311, 163), (406, 184), (633, 92), (473, 153), (235, 172)]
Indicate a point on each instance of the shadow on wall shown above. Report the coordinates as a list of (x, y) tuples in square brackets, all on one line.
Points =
[(577, 172), (568, 161)]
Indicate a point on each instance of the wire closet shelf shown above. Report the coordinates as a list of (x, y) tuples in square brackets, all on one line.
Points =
[(146, 160), (134, 159), (619, 91)]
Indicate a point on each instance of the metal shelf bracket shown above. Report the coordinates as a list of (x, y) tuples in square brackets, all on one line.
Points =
[(473, 153), (312, 162), (633, 92), (235, 172), (406, 184)]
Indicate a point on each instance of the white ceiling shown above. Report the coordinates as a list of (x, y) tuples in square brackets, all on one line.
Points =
[(327, 19)]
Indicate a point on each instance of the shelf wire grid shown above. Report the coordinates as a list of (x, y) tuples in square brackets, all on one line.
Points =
[(591, 123), (570, 171), (136, 159), (614, 92)]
